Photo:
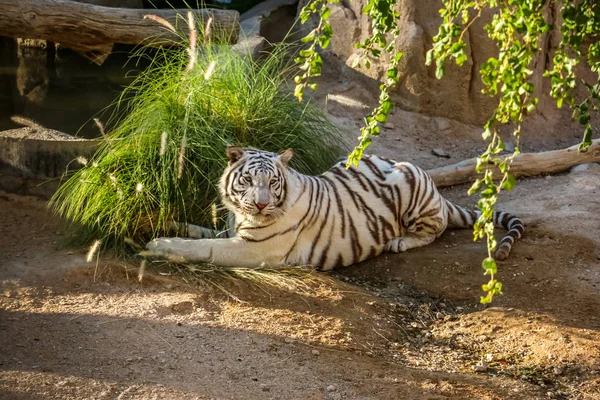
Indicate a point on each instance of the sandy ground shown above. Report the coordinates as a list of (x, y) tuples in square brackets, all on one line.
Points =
[(405, 326)]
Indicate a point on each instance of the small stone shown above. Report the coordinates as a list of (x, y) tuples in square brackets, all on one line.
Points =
[(586, 167), (557, 371), (489, 358), (331, 388), (440, 153), (550, 395), (509, 147), (442, 124), (129, 359), (388, 125), (439, 315), (481, 367), (265, 388), (288, 340), (315, 352)]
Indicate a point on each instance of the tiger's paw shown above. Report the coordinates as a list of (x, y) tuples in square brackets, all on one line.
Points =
[(396, 245), (163, 248), (161, 245), (179, 250)]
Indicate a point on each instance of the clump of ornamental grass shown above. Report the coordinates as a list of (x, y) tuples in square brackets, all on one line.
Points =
[(162, 159)]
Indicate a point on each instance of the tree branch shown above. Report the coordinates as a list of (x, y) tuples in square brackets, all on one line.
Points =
[(525, 164)]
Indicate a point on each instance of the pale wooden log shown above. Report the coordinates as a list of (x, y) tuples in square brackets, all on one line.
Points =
[(91, 28), (525, 164)]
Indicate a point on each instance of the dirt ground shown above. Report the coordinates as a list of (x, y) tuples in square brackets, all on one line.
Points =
[(405, 326)]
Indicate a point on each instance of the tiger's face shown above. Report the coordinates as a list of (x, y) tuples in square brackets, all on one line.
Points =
[(254, 183)]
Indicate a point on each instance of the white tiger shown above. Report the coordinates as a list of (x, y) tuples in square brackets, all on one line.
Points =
[(339, 218)]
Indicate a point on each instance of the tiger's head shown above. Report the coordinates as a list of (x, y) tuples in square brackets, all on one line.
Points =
[(255, 182)]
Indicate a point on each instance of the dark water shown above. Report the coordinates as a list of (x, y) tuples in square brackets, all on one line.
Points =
[(60, 89)]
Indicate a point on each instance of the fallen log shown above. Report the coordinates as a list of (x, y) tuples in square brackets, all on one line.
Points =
[(525, 164), (92, 29)]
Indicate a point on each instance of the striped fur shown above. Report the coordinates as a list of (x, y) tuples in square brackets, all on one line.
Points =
[(339, 218)]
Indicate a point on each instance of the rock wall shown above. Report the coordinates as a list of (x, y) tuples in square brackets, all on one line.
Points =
[(458, 94)]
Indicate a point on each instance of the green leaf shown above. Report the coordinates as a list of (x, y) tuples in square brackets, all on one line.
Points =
[(305, 15), (309, 38), (489, 266), (386, 107), (429, 57), (324, 41), (476, 187), (327, 30), (502, 166), (509, 183), (299, 92), (587, 139), (461, 58), (487, 299), (304, 53), (439, 70), (381, 118)]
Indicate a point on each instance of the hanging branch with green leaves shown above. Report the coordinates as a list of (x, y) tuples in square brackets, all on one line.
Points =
[(517, 27), (382, 43)]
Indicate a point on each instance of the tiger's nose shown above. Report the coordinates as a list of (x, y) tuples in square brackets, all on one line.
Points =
[(260, 206)]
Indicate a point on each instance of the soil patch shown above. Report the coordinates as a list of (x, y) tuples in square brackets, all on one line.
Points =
[(405, 326)]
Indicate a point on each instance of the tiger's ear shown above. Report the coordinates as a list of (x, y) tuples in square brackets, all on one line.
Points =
[(285, 156), (234, 153)]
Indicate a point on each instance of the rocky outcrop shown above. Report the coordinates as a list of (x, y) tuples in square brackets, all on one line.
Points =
[(458, 95)]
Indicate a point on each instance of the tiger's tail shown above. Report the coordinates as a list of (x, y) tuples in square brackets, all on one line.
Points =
[(459, 217)]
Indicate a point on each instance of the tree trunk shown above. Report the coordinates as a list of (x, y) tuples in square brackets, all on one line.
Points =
[(93, 29), (525, 164)]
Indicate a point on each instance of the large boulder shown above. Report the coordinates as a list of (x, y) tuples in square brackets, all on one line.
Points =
[(458, 95)]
